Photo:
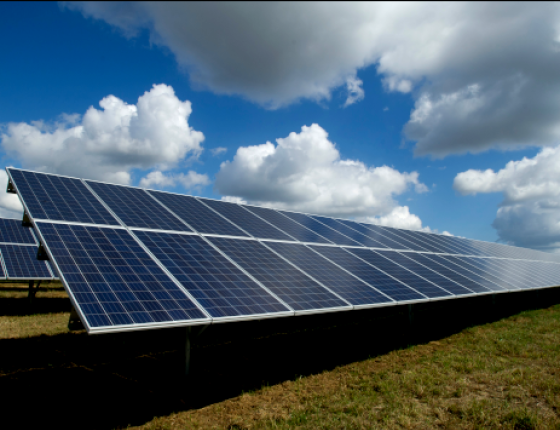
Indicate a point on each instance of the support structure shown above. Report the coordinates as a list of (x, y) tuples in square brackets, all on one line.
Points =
[(74, 322), (33, 290), (187, 351)]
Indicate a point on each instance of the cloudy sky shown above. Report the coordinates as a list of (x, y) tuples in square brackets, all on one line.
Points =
[(442, 117)]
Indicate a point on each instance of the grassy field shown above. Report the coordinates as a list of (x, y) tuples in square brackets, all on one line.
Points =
[(466, 364)]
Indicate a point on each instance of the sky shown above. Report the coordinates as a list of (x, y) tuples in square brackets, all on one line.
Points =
[(441, 117)]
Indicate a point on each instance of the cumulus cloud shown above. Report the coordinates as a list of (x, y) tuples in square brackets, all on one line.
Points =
[(10, 206), (159, 180), (108, 143), (304, 172), (218, 151), (483, 75), (529, 214), (399, 217)]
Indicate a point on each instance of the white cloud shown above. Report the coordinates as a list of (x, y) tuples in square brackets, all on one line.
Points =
[(108, 143), (10, 206), (529, 214), (399, 217), (159, 180), (355, 91), (304, 172), (217, 151), (483, 75), (233, 199)]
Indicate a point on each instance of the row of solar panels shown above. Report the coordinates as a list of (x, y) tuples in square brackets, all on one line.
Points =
[(18, 253), (57, 198), (144, 266)]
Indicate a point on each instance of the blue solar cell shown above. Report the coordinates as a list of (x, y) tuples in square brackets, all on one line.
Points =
[(218, 285), (58, 198), (11, 231), (21, 262), (436, 263), (391, 235), (375, 235), (341, 282), (347, 231), (425, 272), (295, 288), (404, 275), (114, 281), (246, 220), (136, 208), (462, 245), (437, 240), (478, 267), (405, 236), (321, 229), (369, 274), (197, 215), (287, 225), (423, 241)]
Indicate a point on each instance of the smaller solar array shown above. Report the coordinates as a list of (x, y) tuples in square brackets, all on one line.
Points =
[(18, 253)]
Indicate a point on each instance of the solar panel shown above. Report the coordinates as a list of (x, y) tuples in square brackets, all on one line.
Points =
[(500, 269), (375, 235), (246, 220), (424, 242), (114, 282), (197, 215), (320, 229), (219, 286), (397, 238), (477, 266), (21, 263), (445, 245), (59, 198), (11, 231), (399, 272), (292, 286), (287, 225), (347, 231), (136, 208), (350, 288), (393, 288)]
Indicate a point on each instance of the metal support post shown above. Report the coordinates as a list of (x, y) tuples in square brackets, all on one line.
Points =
[(187, 351), (410, 315), (33, 290), (74, 322)]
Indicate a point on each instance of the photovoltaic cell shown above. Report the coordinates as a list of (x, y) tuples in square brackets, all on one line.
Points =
[(21, 262), (379, 261), (422, 241), (369, 274), (293, 287), (246, 220), (136, 208), (297, 231), (387, 233), (11, 231), (320, 229), (347, 231), (59, 198), (480, 269), (113, 280), (506, 272), (425, 272), (389, 243), (341, 282), (197, 215), (217, 284)]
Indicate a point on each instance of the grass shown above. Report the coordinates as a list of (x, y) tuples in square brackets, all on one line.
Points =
[(470, 365)]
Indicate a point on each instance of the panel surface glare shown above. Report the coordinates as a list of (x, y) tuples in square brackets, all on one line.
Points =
[(501, 270), (478, 267), (218, 285), (398, 238), (21, 262), (113, 280), (59, 198), (295, 288), (421, 240), (197, 215), (11, 231), (136, 208), (369, 274), (389, 243), (341, 282), (347, 231), (246, 220), (287, 225), (383, 263)]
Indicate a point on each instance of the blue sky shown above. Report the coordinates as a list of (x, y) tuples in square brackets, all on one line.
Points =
[(443, 94)]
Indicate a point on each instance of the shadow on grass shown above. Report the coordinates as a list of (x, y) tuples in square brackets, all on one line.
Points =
[(22, 306), (115, 380)]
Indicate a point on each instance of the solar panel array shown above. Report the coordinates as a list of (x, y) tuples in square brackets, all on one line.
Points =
[(135, 259), (18, 253)]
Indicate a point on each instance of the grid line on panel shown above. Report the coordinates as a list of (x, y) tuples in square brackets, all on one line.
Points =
[(434, 239), (389, 243), (219, 287), (481, 271), (293, 287), (430, 246), (198, 216), (12, 231), (349, 232), (389, 234), (60, 198), (320, 228), (113, 280), (136, 208), (287, 225), (538, 270), (385, 264), (350, 288), (503, 269), (21, 262), (245, 220), (393, 288)]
